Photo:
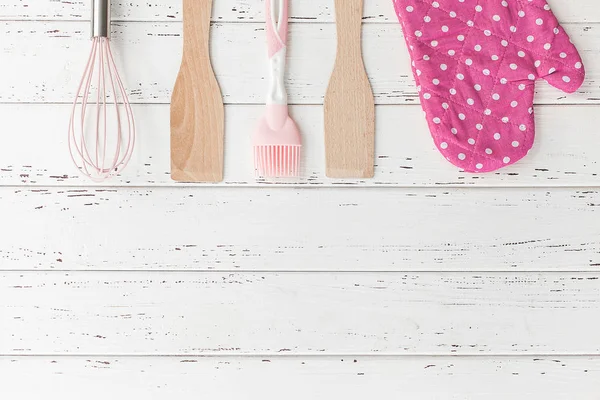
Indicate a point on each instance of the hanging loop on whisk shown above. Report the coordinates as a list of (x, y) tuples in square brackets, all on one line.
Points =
[(101, 18)]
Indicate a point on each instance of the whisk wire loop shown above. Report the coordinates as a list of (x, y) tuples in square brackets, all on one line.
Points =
[(102, 105)]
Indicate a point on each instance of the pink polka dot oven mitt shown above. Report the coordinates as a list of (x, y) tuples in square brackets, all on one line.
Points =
[(476, 63)]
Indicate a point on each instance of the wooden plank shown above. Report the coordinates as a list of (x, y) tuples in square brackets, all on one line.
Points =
[(149, 56), (98, 378), (565, 154), (376, 11), (133, 313), (300, 230)]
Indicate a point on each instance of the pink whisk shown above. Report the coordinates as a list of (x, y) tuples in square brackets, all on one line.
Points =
[(102, 126)]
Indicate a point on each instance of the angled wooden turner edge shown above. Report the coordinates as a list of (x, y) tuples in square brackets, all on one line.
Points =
[(349, 102), (197, 111)]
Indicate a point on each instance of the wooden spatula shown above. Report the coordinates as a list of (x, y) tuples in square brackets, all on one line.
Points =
[(197, 115), (349, 104)]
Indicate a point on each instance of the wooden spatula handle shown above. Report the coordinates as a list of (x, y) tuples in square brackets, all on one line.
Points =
[(196, 26), (348, 19)]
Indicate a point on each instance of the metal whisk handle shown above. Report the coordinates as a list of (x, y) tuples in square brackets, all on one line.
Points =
[(101, 18)]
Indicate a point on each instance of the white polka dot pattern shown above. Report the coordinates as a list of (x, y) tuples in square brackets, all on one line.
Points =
[(476, 63)]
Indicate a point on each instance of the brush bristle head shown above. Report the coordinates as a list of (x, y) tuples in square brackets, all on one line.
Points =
[(277, 161), (277, 144)]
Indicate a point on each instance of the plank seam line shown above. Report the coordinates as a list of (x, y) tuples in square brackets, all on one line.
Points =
[(293, 20), (290, 272), (242, 104), (306, 355), (305, 187)]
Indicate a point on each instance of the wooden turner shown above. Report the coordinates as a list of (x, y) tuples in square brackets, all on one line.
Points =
[(197, 114), (349, 104)]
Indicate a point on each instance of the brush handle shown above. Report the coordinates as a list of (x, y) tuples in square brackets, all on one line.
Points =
[(277, 32)]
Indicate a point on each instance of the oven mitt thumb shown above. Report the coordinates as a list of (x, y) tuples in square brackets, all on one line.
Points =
[(476, 63)]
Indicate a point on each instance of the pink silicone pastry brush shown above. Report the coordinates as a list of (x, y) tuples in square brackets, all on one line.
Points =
[(277, 141)]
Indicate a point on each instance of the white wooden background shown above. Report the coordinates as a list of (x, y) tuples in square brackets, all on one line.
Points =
[(423, 283)]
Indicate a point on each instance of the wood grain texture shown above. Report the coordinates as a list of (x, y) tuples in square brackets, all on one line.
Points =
[(197, 113), (565, 152), (349, 106), (149, 78), (319, 378), (376, 11), (334, 230), (299, 313)]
